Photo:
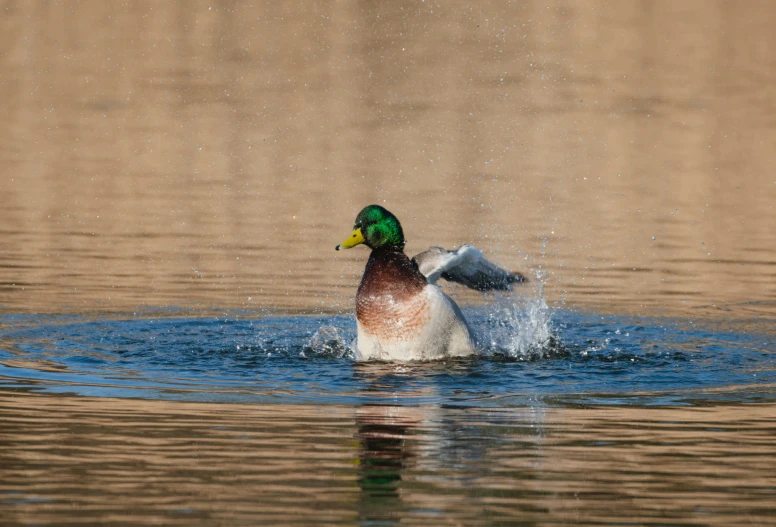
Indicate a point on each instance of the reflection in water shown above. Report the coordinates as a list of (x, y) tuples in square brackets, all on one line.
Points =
[(384, 451), (76, 460), (404, 450), (389, 437)]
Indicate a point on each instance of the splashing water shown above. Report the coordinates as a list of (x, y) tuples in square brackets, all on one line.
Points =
[(517, 328), (327, 342)]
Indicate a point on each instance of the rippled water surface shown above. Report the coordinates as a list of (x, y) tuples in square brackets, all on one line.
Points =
[(149, 462), (526, 358), (176, 329)]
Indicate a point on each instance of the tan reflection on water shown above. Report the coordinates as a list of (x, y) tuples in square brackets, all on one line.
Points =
[(210, 154), (65, 459)]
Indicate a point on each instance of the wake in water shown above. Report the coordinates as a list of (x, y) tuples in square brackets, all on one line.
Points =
[(274, 358)]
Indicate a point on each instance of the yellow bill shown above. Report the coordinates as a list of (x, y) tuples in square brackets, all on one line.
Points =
[(351, 241)]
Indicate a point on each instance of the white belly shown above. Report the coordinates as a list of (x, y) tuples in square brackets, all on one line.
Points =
[(444, 334)]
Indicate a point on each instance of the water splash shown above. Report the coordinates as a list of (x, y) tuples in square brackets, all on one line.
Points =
[(518, 325), (517, 328), (327, 342)]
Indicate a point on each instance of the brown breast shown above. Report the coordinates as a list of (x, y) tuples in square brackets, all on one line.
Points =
[(391, 303)]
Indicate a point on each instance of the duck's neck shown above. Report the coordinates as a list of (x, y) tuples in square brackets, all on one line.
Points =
[(389, 270)]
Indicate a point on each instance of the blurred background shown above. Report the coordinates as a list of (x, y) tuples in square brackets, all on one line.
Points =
[(209, 155)]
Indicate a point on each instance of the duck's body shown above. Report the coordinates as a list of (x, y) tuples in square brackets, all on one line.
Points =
[(401, 315)]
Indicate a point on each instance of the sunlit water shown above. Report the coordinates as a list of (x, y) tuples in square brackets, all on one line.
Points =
[(176, 329)]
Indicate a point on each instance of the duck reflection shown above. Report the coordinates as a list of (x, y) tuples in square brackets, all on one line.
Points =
[(385, 449), (389, 446), (420, 456), (393, 438)]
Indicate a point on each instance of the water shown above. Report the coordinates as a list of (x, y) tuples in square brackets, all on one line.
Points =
[(148, 462), (574, 359), (246, 418), (167, 156), (175, 326)]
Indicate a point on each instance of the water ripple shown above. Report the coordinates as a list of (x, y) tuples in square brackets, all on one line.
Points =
[(571, 358)]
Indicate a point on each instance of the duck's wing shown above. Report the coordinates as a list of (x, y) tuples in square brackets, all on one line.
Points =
[(467, 266)]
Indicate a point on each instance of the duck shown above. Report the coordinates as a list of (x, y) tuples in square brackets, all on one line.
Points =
[(401, 314)]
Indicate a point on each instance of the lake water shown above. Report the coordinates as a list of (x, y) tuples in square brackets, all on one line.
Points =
[(176, 328)]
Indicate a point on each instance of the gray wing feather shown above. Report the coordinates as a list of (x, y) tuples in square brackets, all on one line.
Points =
[(465, 265)]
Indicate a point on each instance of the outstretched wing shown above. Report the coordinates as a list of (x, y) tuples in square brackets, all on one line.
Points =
[(467, 266)]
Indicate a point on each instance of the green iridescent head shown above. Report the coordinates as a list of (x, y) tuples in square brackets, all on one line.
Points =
[(375, 227)]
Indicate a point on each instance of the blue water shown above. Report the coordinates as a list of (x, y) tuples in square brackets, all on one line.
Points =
[(530, 355)]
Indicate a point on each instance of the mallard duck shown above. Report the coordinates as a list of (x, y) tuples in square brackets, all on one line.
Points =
[(401, 314)]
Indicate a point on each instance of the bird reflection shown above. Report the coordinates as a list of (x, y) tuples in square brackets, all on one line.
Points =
[(387, 447), (384, 449), (392, 438), (408, 451)]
